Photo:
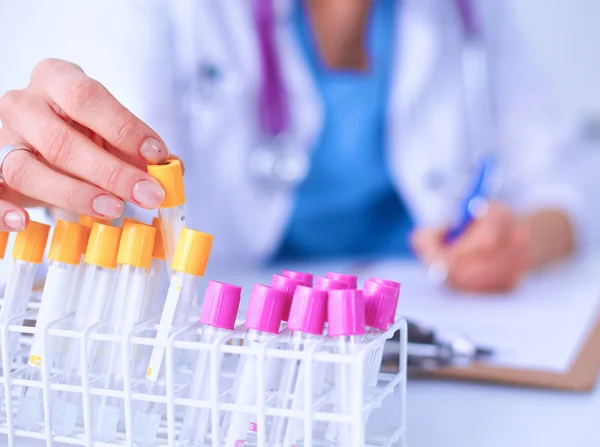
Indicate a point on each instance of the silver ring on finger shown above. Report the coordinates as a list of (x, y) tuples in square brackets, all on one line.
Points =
[(8, 150)]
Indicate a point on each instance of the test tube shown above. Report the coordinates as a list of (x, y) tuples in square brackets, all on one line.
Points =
[(395, 285), (93, 306), (65, 256), (28, 253), (157, 281), (263, 319), (350, 279), (189, 264), (306, 323), (305, 278), (381, 301), (171, 211), (133, 259), (346, 326), (219, 311)]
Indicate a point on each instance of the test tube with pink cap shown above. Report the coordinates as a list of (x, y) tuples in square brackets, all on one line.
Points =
[(306, 323), (263, 320), (389, 283), (352, 280), (380, 307), (346, 326), (305, 278), (218, 314)]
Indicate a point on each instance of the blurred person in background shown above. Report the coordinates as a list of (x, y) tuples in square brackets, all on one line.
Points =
[(308, 128)]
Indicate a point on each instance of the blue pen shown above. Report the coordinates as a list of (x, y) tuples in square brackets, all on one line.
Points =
[(471, 205)]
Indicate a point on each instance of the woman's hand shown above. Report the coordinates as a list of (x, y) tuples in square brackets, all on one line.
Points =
[(497, 249), (88, 152)]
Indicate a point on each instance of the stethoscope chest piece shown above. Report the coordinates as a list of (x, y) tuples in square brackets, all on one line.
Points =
[(279, 162)]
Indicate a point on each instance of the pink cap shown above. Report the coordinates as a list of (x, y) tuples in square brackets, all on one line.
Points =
[(385, 282), (220, 305), (323, 283), (287, 285), (305, 278), (380, 304), (265, 309), (308, 311), (350, 279), (346, 312)]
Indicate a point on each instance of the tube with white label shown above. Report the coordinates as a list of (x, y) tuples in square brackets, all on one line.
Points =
[(219, 311), (263, 319), (133, 259), (28, 253), (94, 301), (189, 265), (346, 327), (306, 323), (64, 255), (172, 211)]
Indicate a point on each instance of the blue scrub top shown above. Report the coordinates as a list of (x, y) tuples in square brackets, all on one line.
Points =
[(348, 206)]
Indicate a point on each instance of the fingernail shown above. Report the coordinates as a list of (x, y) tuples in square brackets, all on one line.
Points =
[(153, 151), (15, 220), (108, 206), (148, 194)]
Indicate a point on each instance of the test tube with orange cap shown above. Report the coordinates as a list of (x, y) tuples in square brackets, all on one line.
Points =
[(28, 253), (189, 264), (64, 255), (133, 259), (94, 304), (171, 211)]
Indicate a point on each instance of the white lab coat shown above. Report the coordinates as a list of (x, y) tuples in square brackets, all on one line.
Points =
[(155, 55)]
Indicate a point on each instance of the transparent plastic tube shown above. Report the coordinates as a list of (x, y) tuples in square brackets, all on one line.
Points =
[(127, 310), (94, 304), (172, 222), (263, 319), (157, 289), (16, 297), (178, 304), (219, 311), (56, 299)]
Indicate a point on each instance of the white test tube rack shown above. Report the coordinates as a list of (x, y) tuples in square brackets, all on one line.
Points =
[(390, 385)]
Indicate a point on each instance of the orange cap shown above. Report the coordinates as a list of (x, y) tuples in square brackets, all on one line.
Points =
[(192, 252), (88, 222), (137, 242), (103, 246), (30, 243), (67, 242), (159, 247), (170, 177), (129, 220), (3, 242)]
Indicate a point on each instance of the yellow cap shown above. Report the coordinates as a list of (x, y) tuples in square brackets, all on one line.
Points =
[(30, 243), (129, 220), (170, 177), (192, 252), (159, 247), (89, 221), (3, 242), (137, 242), (67, 241), (103, 246)]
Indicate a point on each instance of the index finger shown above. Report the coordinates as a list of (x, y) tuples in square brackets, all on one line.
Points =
[(90, 104)]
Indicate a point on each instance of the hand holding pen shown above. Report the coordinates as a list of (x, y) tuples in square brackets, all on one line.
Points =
[(488, 248)]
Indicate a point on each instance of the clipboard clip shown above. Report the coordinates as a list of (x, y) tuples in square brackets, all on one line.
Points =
[(428, 350)]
